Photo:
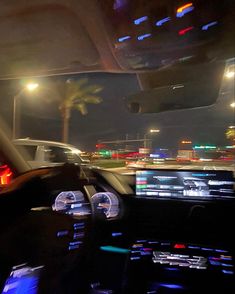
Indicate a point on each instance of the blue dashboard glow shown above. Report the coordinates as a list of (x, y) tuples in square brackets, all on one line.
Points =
[(174, 269), (140, 20), (162, 21), (142, 37), (207, 26), (194, 247), (221, 250), (62, 233), (79, 225), (23, 279), (72, 203), (206, 249), (228, 272), (107, 203)]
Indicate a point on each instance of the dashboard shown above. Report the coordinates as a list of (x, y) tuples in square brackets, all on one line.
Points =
[(153, 231), (75, 203), (185, 184)]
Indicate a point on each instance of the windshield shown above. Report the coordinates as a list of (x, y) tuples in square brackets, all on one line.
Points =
[(109, 135), (129, 120)]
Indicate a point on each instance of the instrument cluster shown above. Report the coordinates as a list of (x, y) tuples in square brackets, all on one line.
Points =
[(75, 203)]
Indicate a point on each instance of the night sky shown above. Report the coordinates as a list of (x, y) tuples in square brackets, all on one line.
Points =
[(110, 120)]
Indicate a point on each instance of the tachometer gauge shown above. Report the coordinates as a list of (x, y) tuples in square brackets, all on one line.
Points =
[(106, 202), (72, 202)]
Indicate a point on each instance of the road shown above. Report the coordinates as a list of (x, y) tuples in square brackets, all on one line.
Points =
[(194, 166)]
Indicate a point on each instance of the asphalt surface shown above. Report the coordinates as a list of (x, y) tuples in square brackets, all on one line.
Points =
[(194, 166)]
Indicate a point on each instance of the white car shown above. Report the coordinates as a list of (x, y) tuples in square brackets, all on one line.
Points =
[(39, 153)]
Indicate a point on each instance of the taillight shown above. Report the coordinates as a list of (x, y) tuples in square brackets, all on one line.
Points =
[(5, 175)]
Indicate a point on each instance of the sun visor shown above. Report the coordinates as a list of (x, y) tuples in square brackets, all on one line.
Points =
[(42, 38)]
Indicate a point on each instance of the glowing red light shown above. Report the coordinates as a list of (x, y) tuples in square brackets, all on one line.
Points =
[(179, 246), (184, 31), (5, 175)]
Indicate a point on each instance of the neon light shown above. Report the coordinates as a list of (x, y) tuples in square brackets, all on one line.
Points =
[(114, 249), (207, 26), (122, 39), (179, 246), (184, 31), (140, 20), (181, 11), (162, 21), (142, 37)]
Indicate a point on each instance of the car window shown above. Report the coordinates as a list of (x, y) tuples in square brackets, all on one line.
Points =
[(58, 154), (28, 151)]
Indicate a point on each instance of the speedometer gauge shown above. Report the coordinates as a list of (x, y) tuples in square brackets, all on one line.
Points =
[(72, 202), (106, 202)]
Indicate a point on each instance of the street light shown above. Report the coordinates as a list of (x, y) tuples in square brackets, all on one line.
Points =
[(232, 105), (230, 72), (154, 131), (29, 87), (151, 131)]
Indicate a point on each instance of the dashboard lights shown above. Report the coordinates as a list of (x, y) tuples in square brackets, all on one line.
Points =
[(179, 246)]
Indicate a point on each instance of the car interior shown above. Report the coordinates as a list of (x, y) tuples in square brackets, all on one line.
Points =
[(77, 229)]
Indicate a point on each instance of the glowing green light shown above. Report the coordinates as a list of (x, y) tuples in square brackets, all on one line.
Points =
[(115, 249), (205, 147)]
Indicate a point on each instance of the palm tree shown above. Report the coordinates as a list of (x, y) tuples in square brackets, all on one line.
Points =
[(77, 94), (230, 134)]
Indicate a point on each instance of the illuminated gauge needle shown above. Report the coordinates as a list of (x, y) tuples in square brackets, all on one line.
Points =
[(104, 205)]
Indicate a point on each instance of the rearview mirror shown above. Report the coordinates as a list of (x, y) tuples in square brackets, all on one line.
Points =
[(191, 87)]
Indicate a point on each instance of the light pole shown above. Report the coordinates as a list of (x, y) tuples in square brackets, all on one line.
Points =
[(151, 131), (29, 87)]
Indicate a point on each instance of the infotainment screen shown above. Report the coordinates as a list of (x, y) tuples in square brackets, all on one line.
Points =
[(184, 184)]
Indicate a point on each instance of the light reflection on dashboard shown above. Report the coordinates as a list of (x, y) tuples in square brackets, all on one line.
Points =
[(72, 203), (107, 203)]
